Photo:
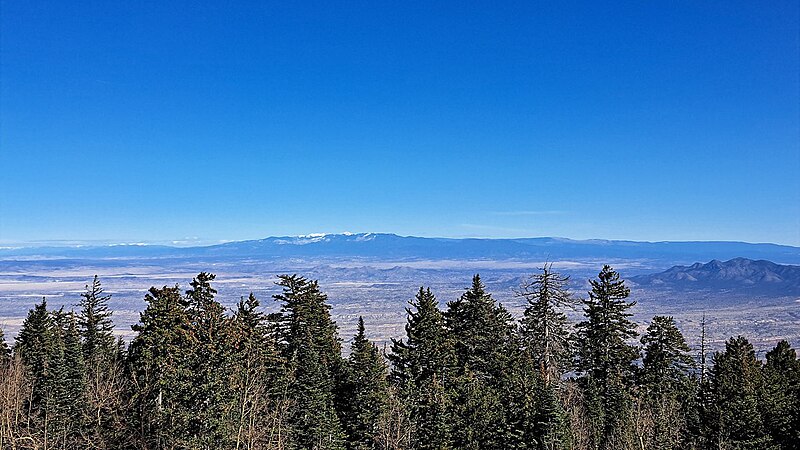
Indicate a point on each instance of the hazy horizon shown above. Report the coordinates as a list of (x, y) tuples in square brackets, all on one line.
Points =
[(200, 242)]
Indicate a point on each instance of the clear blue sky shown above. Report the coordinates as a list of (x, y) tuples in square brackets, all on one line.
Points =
[(154, 121)]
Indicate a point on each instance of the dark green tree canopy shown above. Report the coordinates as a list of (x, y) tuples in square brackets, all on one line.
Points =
[(481, 330), (667, 357), (602, 348), (365, 392), (5, 350), (312, 351), (423, 367), (95, 324)]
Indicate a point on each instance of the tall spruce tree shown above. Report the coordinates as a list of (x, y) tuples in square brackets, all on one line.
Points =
[(482, 331), (104, 367), (259, 379), (365, 393), (485, 345), (547, 342), (668, 389), (605, 359), (5, 350), (210, 397), (667, 358), (49, 349), (423, 367), (96, 328), (68, 383), (313, 354), (736, 384), (160, 366), (34, 345), (544, 326), (536, 414), (781, 399)]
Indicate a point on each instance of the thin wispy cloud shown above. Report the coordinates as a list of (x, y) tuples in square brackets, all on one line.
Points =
[(545, 212), (496, 229)]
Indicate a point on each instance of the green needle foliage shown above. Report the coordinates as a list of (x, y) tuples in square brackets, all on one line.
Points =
[(5, 350), (96, 328), (365, 392), (605, 359), (313, 355), (422, 366), (736, 384), (666, 384), (197, 376), (781, 404)]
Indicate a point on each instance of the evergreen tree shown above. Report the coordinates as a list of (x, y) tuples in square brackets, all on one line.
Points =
[(103, 365), (606, 360), (210, 397), (366, 392), (34, 344), (422, 366), (479, 414), (668, 389), (5, 350), (781, 399), (96, 328), (259, 379), (482, 332), (160, 365), (735, 384), (313, 354), (547, 343), (485, 347), (49, 349), (544, 327), (667, 358), (68, 382)]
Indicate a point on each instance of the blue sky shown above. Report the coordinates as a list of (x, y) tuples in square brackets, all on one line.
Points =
[(159, 121)]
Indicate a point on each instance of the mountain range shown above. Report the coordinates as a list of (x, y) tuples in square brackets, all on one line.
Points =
[(387, 246), (742, 274)]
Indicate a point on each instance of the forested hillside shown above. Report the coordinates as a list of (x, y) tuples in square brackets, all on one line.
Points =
[(466, 375)]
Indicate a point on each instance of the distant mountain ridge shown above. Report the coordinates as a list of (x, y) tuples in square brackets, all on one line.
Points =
[(392, 246), (762, 277)]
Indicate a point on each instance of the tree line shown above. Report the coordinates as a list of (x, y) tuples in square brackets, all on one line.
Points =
[(466, 375)]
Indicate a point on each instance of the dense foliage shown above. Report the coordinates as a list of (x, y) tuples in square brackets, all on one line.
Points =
[(466, 375)]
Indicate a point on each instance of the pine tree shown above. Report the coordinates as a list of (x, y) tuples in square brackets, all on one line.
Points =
[(544, 326), (209, 395), (49, 348), (259, 379), (668, 389), (160, 365), (96, 328), (781, 400), (313, 354), (667, 358), (103, 366), (365, 392), (422, 366), (482, 331), (701, 428), (546, 339), (34, 344), (735, 384), (605, 359), (68, 382), (5, 350), (485, 346)]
